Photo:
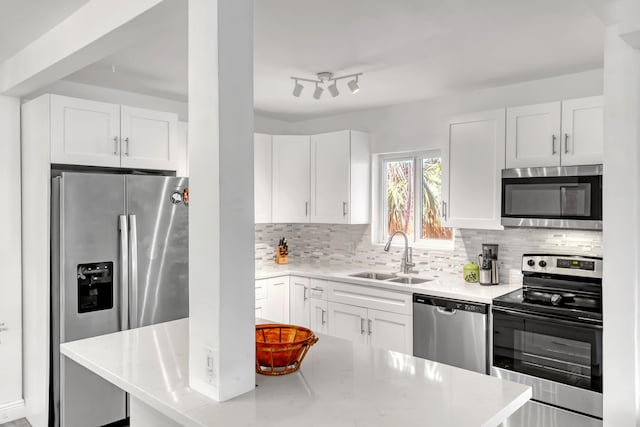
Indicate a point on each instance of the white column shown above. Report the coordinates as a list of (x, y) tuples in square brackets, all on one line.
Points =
[(621, 228), (221, 223), (11, 403)]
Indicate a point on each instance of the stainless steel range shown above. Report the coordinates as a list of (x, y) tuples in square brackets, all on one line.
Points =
[(549, 335)]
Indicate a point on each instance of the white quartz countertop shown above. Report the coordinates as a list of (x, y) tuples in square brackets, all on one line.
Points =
[(339, 384), (443, 285)]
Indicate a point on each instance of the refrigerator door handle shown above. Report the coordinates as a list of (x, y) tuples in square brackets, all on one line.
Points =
[(133, 266), (124, 271)]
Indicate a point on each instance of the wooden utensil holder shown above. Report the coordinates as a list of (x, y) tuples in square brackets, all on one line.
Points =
[(282, 255)]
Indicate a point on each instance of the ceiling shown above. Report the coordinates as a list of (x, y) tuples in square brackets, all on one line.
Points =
[(407, 50), (23, 21)]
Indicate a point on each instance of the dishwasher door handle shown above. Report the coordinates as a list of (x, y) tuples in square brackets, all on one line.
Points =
[(446, 311)]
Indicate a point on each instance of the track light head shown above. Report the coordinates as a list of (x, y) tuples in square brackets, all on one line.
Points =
[(297, 89), (353, 85), (318, 92), (333, 89)]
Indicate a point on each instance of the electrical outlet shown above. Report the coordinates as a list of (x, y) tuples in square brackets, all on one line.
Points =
[(210, 365)]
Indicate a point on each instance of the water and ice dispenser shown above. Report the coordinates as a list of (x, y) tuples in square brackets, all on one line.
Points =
[(95, 286)]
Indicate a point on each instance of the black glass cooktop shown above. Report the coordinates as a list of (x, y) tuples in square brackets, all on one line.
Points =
[(569, 306)]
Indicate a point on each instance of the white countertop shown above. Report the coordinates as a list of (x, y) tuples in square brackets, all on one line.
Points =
[(339, 384), (443, 285)]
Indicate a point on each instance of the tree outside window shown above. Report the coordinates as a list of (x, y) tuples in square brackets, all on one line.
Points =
[(413, 184)]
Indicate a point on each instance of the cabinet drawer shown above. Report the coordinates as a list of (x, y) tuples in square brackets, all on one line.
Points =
[(364, 296), (319, 289), (261, 289)]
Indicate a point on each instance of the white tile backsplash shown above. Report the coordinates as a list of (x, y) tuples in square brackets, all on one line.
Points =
[(351, 244)]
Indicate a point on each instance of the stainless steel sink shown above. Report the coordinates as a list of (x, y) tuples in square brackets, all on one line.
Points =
[(410, 280), (373, 275)]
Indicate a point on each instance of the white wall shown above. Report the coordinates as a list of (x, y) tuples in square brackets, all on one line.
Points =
[(422, 124), (11, 405)]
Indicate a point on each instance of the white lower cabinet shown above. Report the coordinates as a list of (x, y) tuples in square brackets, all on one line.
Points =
[(348, 322), (299, 301), (391, 331), (272, 299), (319, 316)]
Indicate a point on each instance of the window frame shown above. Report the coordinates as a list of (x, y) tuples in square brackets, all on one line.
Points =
[(417, 158)]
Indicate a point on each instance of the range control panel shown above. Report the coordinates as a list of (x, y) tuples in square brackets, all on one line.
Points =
[(568, 265)]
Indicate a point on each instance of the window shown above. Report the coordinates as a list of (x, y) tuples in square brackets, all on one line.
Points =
[(411, 198)]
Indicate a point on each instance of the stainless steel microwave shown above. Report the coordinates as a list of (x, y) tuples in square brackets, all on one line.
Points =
[(553, 197)]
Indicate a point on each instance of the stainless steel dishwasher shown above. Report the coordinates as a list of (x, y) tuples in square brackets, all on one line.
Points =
[(451, 331)]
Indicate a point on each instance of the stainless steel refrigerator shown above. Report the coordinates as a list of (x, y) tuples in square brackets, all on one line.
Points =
[(119, 260)]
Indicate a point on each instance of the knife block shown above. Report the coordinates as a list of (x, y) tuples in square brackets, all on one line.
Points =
[(282, 255)]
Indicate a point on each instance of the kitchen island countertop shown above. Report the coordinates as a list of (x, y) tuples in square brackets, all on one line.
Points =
[(339, 384)]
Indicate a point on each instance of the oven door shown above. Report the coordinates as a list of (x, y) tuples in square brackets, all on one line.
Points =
[(563, 351), (535, 200)]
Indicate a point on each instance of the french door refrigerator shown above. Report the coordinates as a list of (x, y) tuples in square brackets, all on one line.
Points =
[(119, 260)]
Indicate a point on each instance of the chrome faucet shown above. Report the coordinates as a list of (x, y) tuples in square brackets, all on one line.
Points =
[(407, 263)]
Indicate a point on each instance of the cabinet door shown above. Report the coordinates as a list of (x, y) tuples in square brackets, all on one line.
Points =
[(149, 139), (261, 297), (319, 316), (276, 306), (330, 160), (291, 178), (582, 131), (472, 165), (299, 301), (533, 136), (348, 322), (262, 177), (84, 132), (182, 157), (390, 331)]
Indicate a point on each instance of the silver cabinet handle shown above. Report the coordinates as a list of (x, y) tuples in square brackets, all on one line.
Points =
[(370, 326), (126, 152), (305, 297), (115, 145), (123, 227), (361, 326), (566, 143), (317, 289), (553, 144), (322, 318), (133, 299), (344, 208), (306, 208), (443, 214)]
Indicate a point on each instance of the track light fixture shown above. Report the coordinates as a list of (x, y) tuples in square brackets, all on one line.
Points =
[(325, 78), (333, 89), (318, 92), (353, 85), (297, 89)]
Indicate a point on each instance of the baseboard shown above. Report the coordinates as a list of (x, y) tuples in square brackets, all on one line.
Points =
[(11, 411)]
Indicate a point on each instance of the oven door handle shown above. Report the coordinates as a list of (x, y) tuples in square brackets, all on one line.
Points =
[(587, 324)]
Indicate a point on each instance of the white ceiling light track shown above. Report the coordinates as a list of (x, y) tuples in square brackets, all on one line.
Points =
[(323, 79)]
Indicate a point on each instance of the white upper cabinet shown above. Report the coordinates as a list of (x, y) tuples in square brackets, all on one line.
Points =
[(262, 177), (149, 139), (472, 163), (582, 131), (566, 133), (84, 132), (340, 176), (291, 178), (90, 133), (533, 135)]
